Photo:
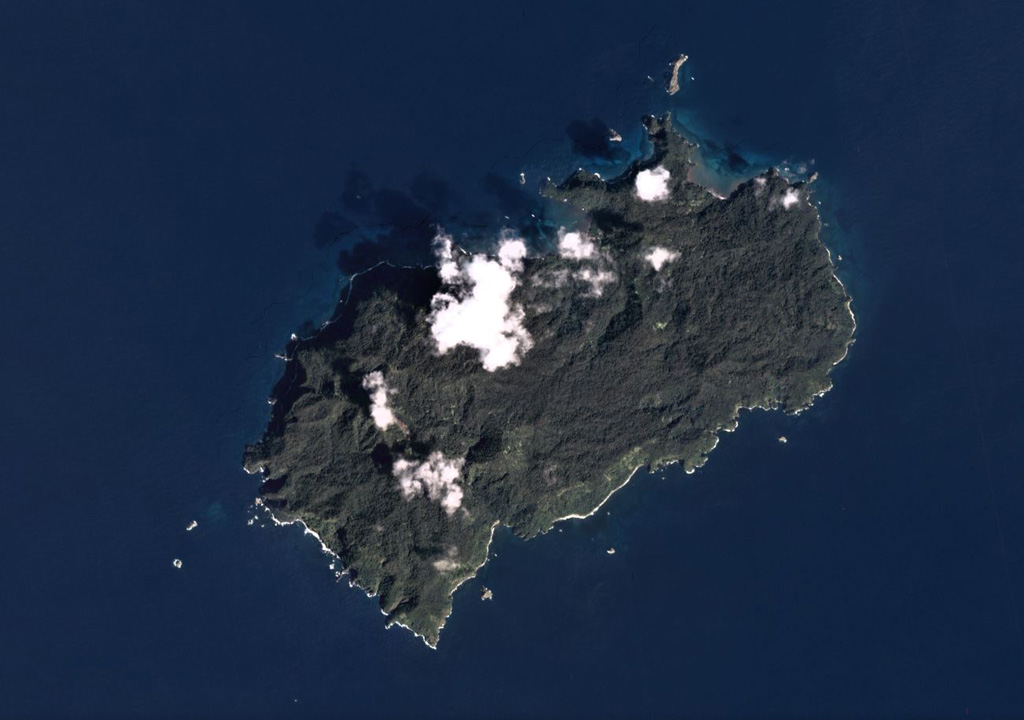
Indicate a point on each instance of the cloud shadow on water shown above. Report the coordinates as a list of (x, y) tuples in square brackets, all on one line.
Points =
[(592, 139), (376, 224)]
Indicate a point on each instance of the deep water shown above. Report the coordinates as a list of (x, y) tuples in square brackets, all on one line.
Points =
[(178, 183)]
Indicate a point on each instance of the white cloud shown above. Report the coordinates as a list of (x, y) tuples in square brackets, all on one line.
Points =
[(448, 268), (575, 246), (790, 198), (379, 391), (434, 477), (477, 309), (551, 279), (449, 561), (597, 279), (445, 564), (511, 252), (595, 264), (652, 185), (658, 256)]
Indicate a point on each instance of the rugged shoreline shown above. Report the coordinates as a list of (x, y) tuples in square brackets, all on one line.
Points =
[(747, 312)]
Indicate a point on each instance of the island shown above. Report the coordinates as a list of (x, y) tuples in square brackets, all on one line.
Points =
[(521, 388), (672, 83)]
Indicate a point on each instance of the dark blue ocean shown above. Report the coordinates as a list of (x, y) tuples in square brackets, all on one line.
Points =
[(182, 187)]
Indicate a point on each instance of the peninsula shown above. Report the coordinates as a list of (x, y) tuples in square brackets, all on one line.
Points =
[(520, 388)]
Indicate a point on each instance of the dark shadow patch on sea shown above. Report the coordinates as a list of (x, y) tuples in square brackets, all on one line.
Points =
[(594, 140), (375, 223)]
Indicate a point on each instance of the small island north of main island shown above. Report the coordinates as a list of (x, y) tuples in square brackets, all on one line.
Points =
[(521, 388)]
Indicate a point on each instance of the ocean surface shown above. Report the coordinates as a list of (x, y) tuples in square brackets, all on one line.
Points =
[(182, 186)]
